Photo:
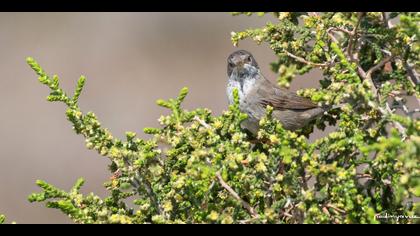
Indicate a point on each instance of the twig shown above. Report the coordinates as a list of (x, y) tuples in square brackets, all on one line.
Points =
[(336, 208), (352, 35), (287, 214), (364, 176), (138, 181), (387, 22), (412, 73), (248, 220), (232, 192), (337, 28), (402, 106), (384, 19), (213, 183), (387, 52), (312, 14), (202, 122), (289, 207), (378, 66), (414, 77), (368, 77), (333, 38), (300, 59), (397, 125), (410, 113)]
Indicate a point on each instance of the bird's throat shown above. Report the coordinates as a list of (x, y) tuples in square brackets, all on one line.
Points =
[(243, 79)]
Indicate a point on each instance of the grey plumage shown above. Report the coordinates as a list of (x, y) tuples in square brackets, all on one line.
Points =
[(256, 92)]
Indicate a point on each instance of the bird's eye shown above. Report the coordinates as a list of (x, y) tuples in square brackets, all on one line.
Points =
[(248, 59)]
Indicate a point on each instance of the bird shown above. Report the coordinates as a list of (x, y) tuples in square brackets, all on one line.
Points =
[(257, 92)]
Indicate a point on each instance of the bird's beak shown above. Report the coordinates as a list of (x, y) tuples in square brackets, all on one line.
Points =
[(238, 61)]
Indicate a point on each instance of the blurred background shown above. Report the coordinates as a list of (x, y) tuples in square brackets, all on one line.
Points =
[(130, 60)]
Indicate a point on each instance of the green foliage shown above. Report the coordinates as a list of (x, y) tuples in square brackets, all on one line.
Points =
[(2, 219), (200, 168)]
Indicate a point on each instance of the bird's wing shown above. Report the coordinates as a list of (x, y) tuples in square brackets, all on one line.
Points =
[(280, 98)]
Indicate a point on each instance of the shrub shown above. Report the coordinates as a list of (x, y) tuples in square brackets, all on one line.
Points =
[(201, 168)]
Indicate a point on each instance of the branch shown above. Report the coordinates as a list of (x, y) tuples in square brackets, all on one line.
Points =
[(352, 35), (404, 108), (368, 77), (300, 59), (232, 192), (412, 73), (333, 38), (344, 30), (378, 66), (336, 208), (202, 122), (312, 14), (364, 176), (397, 125), (139, 181), (388, 110), (386, 21)]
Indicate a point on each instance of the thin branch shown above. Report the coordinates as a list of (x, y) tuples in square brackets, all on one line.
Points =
[(377, 67), (364, 176), (414, 77), (352, 35), (247, 220), (303, 176), (402, 106), (386, 21), (336, 208), (412, 73), (312, 14), (300, 59), (368, 77), (289, 207), (333, 38), (202, 122), (152, 195), (387, 52), (397, 125), (139, 181), (337, 28), (232, 192), (287, 214)]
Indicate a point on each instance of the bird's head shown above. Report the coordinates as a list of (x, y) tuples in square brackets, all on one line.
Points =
[(241, 62)]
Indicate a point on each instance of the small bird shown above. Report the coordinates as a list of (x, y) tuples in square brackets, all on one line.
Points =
[(256, 92)]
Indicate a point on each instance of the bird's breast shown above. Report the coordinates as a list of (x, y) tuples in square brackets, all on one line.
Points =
[(244, 88)]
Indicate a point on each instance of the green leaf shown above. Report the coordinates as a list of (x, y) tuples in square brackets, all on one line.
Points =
[(79, 88), (182, 94), (36, 67), (164, 103), (79, 183)]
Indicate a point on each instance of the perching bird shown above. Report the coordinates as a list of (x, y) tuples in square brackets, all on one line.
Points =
[(256, 92)]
